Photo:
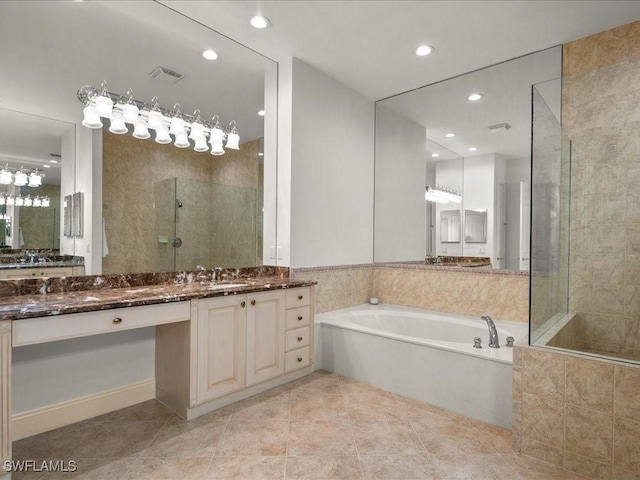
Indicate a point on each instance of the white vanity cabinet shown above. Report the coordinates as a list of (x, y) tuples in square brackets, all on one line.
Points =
[(37, 272), (244, 340)]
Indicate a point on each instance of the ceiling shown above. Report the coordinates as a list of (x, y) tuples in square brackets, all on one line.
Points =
[(369, 45)]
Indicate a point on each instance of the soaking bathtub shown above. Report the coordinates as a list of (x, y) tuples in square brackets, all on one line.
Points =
[(423, 354)]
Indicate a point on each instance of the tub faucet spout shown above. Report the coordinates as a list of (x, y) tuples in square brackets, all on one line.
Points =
[(493, 332)]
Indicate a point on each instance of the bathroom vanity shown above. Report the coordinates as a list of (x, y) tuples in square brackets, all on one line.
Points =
[(214, 343)]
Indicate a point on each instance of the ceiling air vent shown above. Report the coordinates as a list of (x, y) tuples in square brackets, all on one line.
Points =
[(55, 155), (499, 127), (166, 75)]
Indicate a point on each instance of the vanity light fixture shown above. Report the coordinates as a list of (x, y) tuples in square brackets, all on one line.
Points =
[(21, 177), (260, 22), (424, 50), (441, 194), (474, 97), (450, 135), (28, 201), (143, 116)]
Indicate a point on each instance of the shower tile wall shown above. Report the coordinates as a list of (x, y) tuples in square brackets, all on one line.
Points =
[(601, 94), (504, 295), (131, 167)]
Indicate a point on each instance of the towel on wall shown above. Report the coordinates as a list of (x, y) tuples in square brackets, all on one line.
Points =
[(105, 248)]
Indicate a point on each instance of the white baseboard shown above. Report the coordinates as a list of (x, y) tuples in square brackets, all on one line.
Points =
[(47, 418)]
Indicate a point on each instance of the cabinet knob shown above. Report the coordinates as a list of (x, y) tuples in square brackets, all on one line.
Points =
[(299, 359), (299, 339), (299, 317), (117, 320), (243, 304), (253, 302), (300, 297)]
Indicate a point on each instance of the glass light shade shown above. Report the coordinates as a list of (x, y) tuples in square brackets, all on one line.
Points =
[(11, 201), (233, 141), (130, 113), (162, 135), (19, 202), (141, 131), (201, 144), (117, 123), (37, 202), (20, 179), (91, 118), (216, 148), (104, 106), (177, 126), (197, 131), (28, 202), (3, 200), (45, 202), (5, 177), (155, 119), (35, 179), (181, 140), (217, 135)]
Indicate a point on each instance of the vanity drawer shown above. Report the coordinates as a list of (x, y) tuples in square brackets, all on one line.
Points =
[(60, 327), (297, 338), (298, 297), (297, 317), (297, 359)]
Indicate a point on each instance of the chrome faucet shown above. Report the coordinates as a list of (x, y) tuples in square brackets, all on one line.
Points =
[(493, 333)]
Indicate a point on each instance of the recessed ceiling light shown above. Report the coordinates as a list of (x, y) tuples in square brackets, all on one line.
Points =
[(210, 54), (474, 97), (435, 155), (424, 50), (259, 21), (450, 135), (46, 166), (261, 113), (53, 161), (473, 149)]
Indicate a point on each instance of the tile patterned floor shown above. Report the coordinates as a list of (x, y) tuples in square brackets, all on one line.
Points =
[(322, 426)]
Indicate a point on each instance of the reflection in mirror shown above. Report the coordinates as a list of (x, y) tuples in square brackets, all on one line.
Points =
[(475, 226), (119, 174), (490, 141), (450, 226), (31, 213)]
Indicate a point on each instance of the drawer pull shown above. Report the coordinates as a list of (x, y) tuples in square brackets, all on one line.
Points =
[(299, 317), (299, 359), (253, 302), (299, 339), (117, 321), (243, 304), (300, 297)]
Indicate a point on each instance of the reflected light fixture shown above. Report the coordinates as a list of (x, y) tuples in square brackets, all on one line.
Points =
[(28, 201), (441, 194), (473, 149), (261, 113), (259, 22), (474, 97), (210, 55), (122, 110), (435, 155), (424, 50), (450, 135)]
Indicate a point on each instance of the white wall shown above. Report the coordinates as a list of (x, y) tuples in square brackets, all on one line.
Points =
[(479, 182), (449, 173), (67, 184), (400, 180), (517, 171), (332, 140)]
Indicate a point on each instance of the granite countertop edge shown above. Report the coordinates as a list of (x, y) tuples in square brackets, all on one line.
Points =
[(42, 305)]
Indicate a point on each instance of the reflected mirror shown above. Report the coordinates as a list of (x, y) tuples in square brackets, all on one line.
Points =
[(129, 224), (478, 145), (450, 226), (475, 226)]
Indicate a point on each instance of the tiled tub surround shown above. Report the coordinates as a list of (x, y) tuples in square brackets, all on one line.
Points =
[(500, 293), (580, 413)]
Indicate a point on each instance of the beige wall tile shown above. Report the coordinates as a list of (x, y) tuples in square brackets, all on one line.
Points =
[(626, 444), (627, 392), (542, 420), (587, 466), (543, 373), (589, 384), (542, 451), (589, 433)]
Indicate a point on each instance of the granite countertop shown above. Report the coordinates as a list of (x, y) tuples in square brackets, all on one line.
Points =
[(45, 304)]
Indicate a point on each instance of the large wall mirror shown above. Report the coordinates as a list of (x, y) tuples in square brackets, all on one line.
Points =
[(478, 147), (146, 206)]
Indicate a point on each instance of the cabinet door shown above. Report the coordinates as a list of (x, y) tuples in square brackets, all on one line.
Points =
[(222, 334), (265, 336)]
